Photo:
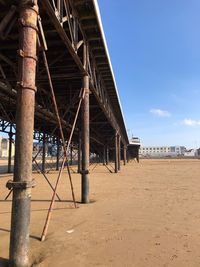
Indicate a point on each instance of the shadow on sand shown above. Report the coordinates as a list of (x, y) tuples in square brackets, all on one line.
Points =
[(8, 231)]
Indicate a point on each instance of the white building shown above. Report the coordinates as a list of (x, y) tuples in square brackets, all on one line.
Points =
[(135, 141), (4, 147), (162, 151), (191, 153)]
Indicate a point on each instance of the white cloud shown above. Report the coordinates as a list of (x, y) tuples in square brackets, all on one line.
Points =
[(190, 122), (160, 113)]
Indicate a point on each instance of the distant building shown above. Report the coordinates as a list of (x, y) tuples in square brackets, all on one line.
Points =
[(133, 148), (134, 141), (162, 151), (198, 152), (191, 153), (4, 147)]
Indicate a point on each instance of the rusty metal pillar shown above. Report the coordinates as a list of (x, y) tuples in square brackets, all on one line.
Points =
[(104, 155), (85, 142), (57, 154), (79, 152), (119, 152), (71, 154), (44, 153), (128, 156), (107, 154), (10, 151), (116, 153), (125, 155), (20, 218)]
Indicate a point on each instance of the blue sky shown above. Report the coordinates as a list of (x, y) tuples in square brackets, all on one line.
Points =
[(155, 52)]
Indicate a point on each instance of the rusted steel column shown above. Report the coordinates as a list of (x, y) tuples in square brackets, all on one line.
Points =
[(85, 142), (20, 218), (128, 156), (119, 152), (107, 154), (57, 154), (116, 153), (104, 155), (125, 155), (44, 153), (10, 151), (79, 152), (71, 154)]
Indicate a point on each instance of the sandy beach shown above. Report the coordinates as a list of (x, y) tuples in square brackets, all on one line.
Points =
[(148, 215)]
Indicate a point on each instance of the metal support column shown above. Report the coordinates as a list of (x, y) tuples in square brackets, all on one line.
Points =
[(79, 153), (128, 156), (20, 218), (116, 153), (44, 153), (71, 154), (119, 152), (85, 142), (107, 154), (10, 150), (125, 155), (57, 154), (104, 155)]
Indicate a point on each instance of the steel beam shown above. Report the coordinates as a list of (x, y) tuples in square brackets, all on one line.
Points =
[(125, 155), (49, 9), (85, 142), (10, 151), (57, 154), (107, 155), (20, 218), (71, 155), (103, 101), (104, 155), (116, 153), (79, 152), (44, 153), (119, 152)]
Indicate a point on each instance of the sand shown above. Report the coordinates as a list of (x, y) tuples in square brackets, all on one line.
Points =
[(148, 215)]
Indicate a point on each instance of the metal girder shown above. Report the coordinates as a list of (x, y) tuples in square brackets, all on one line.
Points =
[(49, 9), (97, 88), (40, 112), (99, 71)]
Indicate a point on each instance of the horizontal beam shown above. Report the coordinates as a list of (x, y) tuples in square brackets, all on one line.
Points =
[(48, 8)]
